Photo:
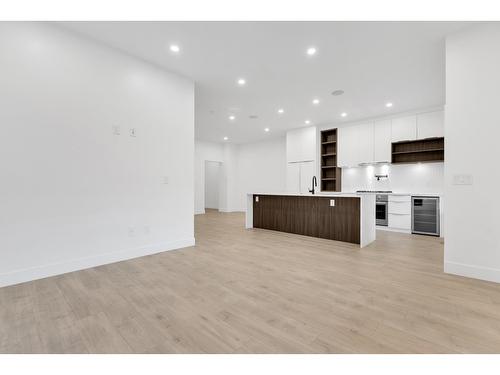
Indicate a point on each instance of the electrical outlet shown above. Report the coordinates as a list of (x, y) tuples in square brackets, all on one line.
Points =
[(164, 180), (132, 132), (257, 199), (116, 130), (462, 179), (332, 202), (131, 232)]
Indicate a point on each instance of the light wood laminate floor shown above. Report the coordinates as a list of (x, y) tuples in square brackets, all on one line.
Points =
[(257, 291)]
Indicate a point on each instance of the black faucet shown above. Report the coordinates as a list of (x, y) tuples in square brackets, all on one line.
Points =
[(314, 183)]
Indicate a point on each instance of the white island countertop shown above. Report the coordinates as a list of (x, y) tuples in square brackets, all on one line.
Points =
[(367, 210)]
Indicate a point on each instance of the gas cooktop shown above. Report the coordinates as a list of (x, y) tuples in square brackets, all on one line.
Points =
[(374, 191)]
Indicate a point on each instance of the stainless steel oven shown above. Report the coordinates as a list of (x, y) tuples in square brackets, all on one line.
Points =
[(381, 212)]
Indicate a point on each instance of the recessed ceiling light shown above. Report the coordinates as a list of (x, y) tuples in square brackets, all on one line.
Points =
[(388, 104), (343, 114), (307, 122), (266, 130), (241, 81), (226, 138), (281, 110), (174, 48), (315, 101), (232, 117), (337, 92), (311, 51)]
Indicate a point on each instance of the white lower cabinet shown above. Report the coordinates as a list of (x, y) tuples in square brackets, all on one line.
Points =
[(400, 212), (400, 221), (399, 208)]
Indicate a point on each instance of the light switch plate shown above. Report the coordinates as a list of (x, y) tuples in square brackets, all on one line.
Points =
[(164, 180), (332, 202), (116, 130), (462, 179), (132, 132), (256, 199)]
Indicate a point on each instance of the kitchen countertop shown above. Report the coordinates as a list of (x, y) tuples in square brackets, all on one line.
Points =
[(326, 195), (405, 193), (347, 194)]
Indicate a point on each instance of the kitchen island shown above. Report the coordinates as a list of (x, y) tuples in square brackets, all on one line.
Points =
[(335, 216)]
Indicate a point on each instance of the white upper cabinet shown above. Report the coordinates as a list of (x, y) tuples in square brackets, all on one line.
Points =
[(355, 145), (404, 128), (346, 146), (371, 142), (364, 143), (430, 125), (301, 144), (382, 141)]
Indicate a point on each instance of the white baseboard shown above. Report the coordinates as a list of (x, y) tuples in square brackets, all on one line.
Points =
[(473, 271), (41, 272), (232, 210)]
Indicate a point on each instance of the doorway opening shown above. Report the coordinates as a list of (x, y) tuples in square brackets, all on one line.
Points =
[(213, 176)]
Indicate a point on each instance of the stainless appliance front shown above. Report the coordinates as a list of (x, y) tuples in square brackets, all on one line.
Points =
[(381, 212), (425, 215)]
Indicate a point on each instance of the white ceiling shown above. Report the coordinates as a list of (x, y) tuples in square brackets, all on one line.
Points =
[(373, 62)]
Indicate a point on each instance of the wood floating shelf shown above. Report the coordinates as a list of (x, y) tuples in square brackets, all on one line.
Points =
[(330, 173), (419, 151)]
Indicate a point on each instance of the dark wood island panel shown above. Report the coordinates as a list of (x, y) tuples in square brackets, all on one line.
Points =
[(309, 216)]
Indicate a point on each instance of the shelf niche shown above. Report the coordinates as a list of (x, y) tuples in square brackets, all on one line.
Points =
[(419, 151), (330, 174)]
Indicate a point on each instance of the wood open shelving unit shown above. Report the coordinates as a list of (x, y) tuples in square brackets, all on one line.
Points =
[(331, 175), (419, 151)]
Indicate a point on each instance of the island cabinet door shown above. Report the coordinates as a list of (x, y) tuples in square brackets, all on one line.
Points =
[(300, 216), (267, 212), (340, 221)]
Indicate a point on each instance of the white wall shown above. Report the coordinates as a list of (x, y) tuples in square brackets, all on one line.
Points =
[(212, 184), (73, 195), (261, 167), (424, 178), (205, 151), (230, 190), (472, 130)]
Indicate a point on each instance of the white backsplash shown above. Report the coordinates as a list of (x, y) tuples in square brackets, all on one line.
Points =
[(405, 178)]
